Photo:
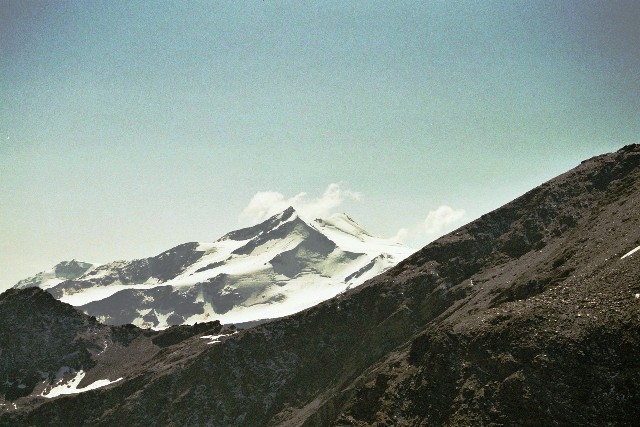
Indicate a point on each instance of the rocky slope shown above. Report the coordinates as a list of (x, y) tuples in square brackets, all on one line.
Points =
[(273, 269), (48, 348), (529, 315)]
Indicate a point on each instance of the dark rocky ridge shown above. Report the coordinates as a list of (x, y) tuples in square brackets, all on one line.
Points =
[(257, 230), (39, 335), (527, 316)]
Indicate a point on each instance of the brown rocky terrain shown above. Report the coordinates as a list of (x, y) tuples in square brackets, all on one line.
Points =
[(529, 315), (44, 341)]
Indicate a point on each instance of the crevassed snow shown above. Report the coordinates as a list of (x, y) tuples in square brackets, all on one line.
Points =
[(631, 252), (71, 386)]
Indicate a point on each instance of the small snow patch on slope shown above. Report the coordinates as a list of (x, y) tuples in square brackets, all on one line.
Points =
[(214, 338), (71, 386), (630, 252)]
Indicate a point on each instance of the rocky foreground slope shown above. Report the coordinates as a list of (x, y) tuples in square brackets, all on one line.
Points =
[(48, 348), (529, 315)]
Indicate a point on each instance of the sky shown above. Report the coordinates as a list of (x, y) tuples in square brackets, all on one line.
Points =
[(127, 128)]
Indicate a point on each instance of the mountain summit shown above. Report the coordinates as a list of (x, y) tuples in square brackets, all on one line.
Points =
[(278, 267)]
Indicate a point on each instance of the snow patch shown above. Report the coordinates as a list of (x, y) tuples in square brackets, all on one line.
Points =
[(214, 338), (71, 387), (8, 406), (631, 252)]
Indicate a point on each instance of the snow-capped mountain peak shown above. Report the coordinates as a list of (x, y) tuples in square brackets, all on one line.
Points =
[(269, 224), (278, 267)]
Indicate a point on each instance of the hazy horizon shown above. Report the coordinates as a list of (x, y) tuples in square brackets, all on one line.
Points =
[(129, 128)]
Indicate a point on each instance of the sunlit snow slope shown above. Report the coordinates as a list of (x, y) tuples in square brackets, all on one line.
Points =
[(273, 269)]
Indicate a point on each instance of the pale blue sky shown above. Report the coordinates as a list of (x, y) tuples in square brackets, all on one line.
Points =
[(130, 127)]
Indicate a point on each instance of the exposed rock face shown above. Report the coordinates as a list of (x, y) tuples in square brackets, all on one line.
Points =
[(44, 343), (38, 335), (528, 316)]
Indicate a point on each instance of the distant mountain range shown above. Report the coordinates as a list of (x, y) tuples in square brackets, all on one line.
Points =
[(273, 269), (527, 316)]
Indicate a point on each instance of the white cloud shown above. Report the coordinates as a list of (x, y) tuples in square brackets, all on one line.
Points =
[(438, 222), (402, 235), (441, 220), (267, 203)]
